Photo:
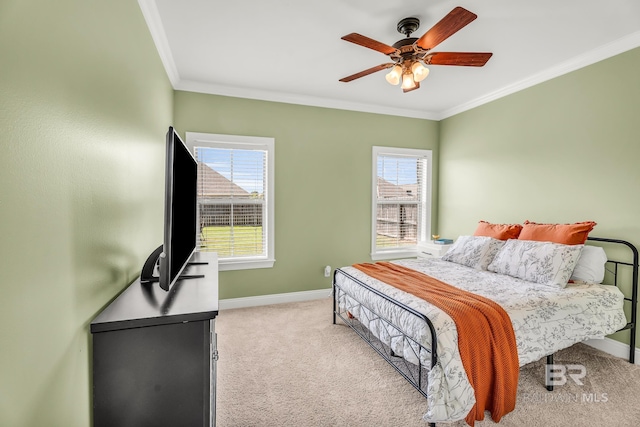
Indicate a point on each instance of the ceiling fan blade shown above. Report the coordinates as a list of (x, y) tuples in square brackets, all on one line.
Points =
[(367, 72), (457, 19), (469, 59), (417, 86), (370, 43)]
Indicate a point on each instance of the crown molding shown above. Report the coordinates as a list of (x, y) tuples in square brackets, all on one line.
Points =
[(154, 22), (292, 98), (596, 55)]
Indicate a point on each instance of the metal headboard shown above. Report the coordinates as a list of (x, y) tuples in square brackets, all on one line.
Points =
[(631, 325)]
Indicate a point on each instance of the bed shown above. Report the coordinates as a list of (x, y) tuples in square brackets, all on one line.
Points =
[(545, 319)]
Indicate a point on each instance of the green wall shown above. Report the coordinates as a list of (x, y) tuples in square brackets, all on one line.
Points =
[(84, 106), (85, 103), (322, 181), (565, 150)]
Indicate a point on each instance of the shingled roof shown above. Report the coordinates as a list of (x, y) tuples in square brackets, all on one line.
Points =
[(387, 190), (212, 184)]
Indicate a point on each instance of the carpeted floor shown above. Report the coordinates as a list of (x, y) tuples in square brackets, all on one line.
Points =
[(288, 365)]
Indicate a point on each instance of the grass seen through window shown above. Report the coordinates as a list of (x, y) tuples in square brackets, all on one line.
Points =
[(230, 241)]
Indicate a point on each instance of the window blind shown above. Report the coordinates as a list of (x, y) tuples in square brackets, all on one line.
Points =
[(399, 200), (232, 191)]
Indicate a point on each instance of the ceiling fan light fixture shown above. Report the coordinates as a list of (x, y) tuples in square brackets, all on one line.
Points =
[(411, 55), (420, 72), (393, 76), (408, 82)]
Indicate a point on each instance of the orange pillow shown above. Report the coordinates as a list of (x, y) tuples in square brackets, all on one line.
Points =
[(498, 231), (566, 234)]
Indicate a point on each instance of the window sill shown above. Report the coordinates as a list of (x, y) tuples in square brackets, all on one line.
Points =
[(407, 253), (228, 265)]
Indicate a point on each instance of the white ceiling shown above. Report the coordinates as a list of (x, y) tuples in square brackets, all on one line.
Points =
[(291, 51)]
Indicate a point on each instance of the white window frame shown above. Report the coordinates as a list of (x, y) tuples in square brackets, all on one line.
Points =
[(424, 228), (195, 139)]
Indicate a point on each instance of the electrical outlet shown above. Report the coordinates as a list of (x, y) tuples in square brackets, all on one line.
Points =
[(327, 271)]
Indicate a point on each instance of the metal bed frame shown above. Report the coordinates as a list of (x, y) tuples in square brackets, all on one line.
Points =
[(416, 374)]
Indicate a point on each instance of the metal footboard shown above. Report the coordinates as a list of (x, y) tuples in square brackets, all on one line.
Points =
[(415, 374)]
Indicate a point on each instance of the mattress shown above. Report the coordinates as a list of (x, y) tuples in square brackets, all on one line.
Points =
[(545, 319)]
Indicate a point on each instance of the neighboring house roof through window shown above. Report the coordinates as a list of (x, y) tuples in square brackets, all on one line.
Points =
[(212, 185)]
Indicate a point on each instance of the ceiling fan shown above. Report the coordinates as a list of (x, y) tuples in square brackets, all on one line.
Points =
[(411, 54)]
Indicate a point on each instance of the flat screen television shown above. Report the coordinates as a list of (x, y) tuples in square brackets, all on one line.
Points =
[(180, 222)]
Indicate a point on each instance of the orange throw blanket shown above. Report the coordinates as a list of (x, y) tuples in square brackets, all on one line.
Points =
[(486, 339)]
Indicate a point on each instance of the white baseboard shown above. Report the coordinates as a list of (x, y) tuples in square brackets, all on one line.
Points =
[(615, 348), (227, 304)]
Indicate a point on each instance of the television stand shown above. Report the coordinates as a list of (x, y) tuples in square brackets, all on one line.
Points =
[(155, 353), (190, 276), (147, 276)]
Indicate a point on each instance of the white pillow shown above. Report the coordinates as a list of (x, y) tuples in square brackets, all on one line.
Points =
[(591, 265), (473, 251), (540, 262)]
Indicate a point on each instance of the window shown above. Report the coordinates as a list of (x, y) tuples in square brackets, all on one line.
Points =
[(401, 201), (235, 198)]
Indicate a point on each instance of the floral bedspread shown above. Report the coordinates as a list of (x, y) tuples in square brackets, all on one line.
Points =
[(545, 319)]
